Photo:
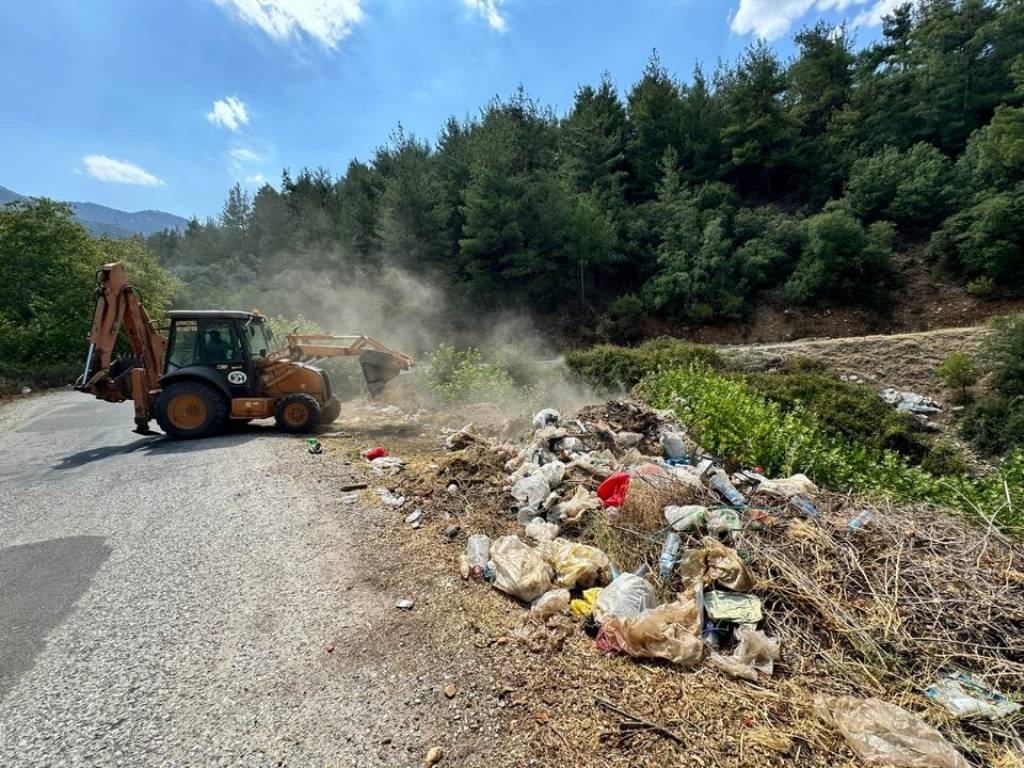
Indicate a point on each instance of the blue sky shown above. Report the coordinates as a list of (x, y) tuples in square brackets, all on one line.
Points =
[(166, 103)]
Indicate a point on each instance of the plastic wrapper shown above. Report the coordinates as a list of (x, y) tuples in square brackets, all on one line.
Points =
[(732, 606), (755, 655), (541, 531), (723, 520), (627, 596), (385, 466), (880, 733), (577, 566), (519, 570), (966, 696), (784, 487), (670, 631), (546, 417), (685, 518), (672, 446), (546, 625), (532, 490), (572, 510), (584, 607), (725, 568)]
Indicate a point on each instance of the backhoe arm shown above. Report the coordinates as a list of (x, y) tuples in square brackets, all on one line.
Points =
[(118, 305), (380, 363)]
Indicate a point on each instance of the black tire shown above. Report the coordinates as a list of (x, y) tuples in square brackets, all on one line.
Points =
[(331, 411), (287, 413), (210, 419)]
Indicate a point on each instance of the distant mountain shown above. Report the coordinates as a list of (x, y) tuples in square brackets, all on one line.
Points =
[(101, 220)]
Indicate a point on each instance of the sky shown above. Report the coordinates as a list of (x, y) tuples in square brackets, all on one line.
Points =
[(167, 103)]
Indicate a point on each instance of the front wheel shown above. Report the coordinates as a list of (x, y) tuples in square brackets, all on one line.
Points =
[(331, 411), (190, 409), (297, 413)]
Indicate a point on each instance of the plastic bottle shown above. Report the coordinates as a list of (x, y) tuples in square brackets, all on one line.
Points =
[(806, 506), (723, 486), (642, 570), (711, 635), (669, 553), (862, 518), (478, 552)]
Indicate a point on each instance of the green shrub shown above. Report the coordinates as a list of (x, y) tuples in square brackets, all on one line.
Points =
[(627, 315), (16, 376), (842, 408), (744, 428), (995, 425), (958, 371), (611, 367), (945, 460), (462, 376)]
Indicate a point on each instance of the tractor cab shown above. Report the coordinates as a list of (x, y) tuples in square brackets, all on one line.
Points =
[(225, 343)]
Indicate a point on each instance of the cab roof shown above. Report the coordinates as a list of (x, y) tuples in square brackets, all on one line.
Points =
[(212, 314)]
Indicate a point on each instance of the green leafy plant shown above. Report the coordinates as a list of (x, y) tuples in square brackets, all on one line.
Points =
[(958, 371), (611, 367)]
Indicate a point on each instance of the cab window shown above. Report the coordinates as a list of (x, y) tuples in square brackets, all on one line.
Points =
[(184, 349), (258, 335), (219, 344)]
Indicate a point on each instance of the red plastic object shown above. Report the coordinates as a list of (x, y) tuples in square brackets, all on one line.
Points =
[(613, 490), (375, 453)]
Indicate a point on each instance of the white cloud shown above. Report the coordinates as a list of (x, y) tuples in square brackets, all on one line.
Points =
[(119, 171), (257, 179), (771, 19), (490, 10), (244, 155), (328, 21), (229, 113)]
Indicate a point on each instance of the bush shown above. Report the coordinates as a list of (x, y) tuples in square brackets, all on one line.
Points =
[(627, 315), (745, 429), (995, 425), (944, 460), (842, 260), (462, 376), (958, 371), (614, 368), (16, 376), (841, 408)]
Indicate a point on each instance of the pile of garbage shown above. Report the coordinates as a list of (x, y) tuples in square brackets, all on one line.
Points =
[(628, 531)]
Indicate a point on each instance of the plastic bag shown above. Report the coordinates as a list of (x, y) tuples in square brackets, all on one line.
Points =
[(577, 566), (755, 653), (732, 606), (796, 485), (583, 607), (572, 510), (882, 733), (541, 531), (627, 596), (546, 624), (673, 446), (724, 567), (546, 417), (613, 490), (519, 570), (385, 466), (375, 453), (531, 491), (966, 696), (723, 520), (670, 631), (685, 518)]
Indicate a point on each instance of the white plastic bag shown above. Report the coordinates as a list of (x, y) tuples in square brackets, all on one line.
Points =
[(627, 596), (686, 517), (518, 569), (546, 417), (756, 653), (541, 531), (531, 491)]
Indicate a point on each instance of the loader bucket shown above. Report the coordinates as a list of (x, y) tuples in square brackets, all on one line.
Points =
[(378, 370)]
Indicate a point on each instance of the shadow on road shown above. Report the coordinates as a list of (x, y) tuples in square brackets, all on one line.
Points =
[(41, 582), (161, 445)]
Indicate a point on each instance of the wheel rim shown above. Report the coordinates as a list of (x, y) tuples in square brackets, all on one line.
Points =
[(295, 414), (187, 411)]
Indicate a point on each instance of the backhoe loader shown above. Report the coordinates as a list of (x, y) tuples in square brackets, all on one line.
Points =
[(216, 366)]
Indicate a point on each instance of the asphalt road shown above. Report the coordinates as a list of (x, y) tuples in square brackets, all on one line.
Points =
[(166, 603)]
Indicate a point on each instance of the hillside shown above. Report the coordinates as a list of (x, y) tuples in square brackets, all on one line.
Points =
[(101, 220)]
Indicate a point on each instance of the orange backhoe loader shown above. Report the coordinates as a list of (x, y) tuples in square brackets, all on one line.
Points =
[(217, 366)]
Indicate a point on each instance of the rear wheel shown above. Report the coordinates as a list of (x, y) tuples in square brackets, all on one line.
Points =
[(189, 409), (331, 411), (297, 413)]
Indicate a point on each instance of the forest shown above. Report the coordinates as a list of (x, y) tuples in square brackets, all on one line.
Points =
[(798, 182)]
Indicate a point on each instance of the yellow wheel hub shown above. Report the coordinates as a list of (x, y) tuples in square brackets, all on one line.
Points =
[(295, 414), (187, 411)]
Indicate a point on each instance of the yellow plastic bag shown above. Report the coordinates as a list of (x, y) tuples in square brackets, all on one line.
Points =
[(582, 608), (518, 570), (577, 566)]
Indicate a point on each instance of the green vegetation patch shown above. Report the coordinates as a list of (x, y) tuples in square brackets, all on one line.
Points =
[(610, 367)]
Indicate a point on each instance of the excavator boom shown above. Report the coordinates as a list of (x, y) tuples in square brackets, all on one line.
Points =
[(379, 362)]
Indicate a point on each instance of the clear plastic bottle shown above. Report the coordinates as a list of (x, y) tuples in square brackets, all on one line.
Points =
[(669, 554), (806, 506), (478, 552), (721, 484), (861, 519)]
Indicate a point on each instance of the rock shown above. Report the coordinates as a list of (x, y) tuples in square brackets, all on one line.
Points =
[(450, 690), (413, 516), (26, 391), (452, 489), (433, 757), (452, 531), (406, 604)]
